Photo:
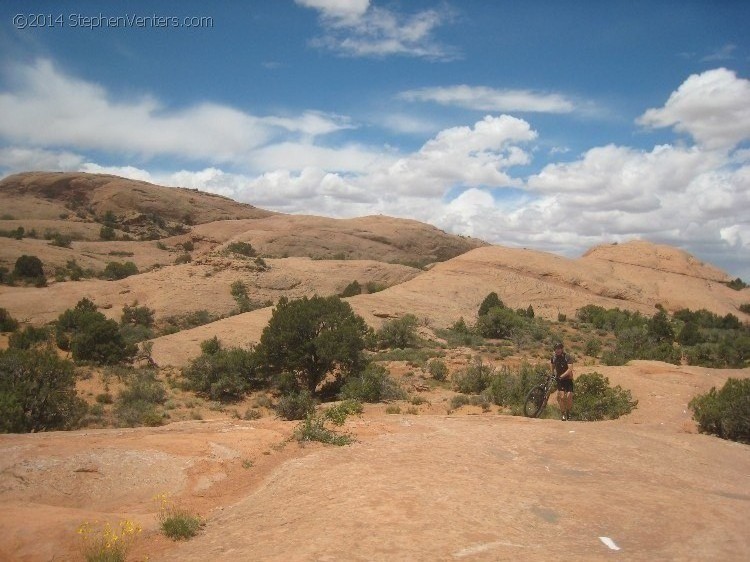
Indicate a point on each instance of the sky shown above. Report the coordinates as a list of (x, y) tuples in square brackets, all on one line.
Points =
[(552, 125)]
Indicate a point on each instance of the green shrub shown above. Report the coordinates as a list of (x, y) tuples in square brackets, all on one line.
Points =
[(37, 392), (509, 388), (596, 400), (137, 315), (438, 369), (313, 428), (337, 414), (238, 289), (474, 378), (176, 522), (726, 412), (116, 270), (499, 322), (60, 240), (242, 249), (7, 322), (459, 336), (28, 338), (745, 308), (223, 374), (28, 267), (296, 405), (374, 384), (107, 233), (137, 404), (183, 258), (352, 289), (90, 336), (490, 301), (593, 347), (399, 333)]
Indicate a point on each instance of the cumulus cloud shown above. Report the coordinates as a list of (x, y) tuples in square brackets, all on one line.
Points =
[(712, 107), (50, 108), (22, 159), (359, 29), (490, 99)]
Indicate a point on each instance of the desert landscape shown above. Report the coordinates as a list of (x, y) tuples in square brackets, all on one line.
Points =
[(424, 478)]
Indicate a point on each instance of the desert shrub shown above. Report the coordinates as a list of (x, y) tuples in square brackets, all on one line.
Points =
[(399, 333), (726, 412), (459, 336), (593, 347), (490, 301), (28, 338), (116, 270), (375, 287), (745, 307), (135, 333), (374, 384), (474, 378), (438, 369), (737, 284), (337, 414), (60, 240), (7, 322), (138, 403), (296, 405), (90, 336), (311, 338), (37, 392), (313, 428), (689, 335), (172, 324), (464, 400), (499, 322), (596, 400), (415, 357), (183, 258), (223, 374), (107, 233), (108, 543), (176, 522), (188, 246), (242, 249), (28, 267), (353, 288), (137, 315), (509, 388), (238, 289)]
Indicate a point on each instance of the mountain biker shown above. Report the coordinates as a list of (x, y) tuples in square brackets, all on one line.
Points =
[(561, 366)]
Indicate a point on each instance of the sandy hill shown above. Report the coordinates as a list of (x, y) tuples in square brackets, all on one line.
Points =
[(419, 487), (551, 284)]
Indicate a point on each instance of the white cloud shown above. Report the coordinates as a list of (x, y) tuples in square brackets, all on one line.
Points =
[(53, 109), (490, 99), (712, 107), (338, 9), (722, 54), (361, 30), (22, 159)]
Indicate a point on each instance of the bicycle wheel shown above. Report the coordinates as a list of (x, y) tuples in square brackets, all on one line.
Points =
[(534, 403)]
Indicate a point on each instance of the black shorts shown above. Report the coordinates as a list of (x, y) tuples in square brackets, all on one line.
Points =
[(566, 385)]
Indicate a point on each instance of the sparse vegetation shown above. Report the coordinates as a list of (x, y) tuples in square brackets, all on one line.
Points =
[(313, 428), (352, 289), (438, 369), (107, 544), (295, 405), (29, 337), (176, 522), (242, 249), (596, 400), (139, 402)]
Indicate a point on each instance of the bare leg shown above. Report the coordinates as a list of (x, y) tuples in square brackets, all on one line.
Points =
[(568, 403), (561, 401)]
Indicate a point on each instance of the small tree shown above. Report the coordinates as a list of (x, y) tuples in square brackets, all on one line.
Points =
[(37, 392), (116, 270), (90, 336), (313, 337), (499, 322), (490, 301), (107, 233), (137, 315)]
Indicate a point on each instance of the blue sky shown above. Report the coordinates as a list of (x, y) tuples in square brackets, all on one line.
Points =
[(552, 125)]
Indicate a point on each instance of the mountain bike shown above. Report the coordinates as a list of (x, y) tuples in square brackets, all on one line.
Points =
[(536, 399)]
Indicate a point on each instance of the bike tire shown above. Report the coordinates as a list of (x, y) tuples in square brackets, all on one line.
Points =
[(534, 403)]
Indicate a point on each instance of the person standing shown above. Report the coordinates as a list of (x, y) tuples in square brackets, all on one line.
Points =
[(561, 367)]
